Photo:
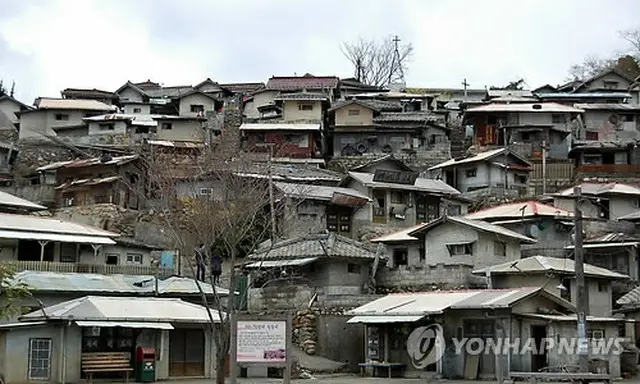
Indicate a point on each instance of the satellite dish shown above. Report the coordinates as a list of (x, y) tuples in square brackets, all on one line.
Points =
[(534, 231)]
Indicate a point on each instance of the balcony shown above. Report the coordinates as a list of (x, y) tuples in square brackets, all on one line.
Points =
[(103, 269), (613, 170)]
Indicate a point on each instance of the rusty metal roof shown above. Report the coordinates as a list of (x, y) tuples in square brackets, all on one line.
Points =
[(88, 182), (116, 160), (291, 83)]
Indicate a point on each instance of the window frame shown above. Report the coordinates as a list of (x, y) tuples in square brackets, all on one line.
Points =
[(471, 172), (166, 126), (466, 247), (353, 112), (31, 358), (62, 117), (305, 107), (400, 250), (196, 108), (137, 110), (353, 268), (134, 256), (107, 126), (499, 245)]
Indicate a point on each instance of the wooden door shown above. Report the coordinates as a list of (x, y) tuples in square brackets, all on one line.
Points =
[(186, 353)]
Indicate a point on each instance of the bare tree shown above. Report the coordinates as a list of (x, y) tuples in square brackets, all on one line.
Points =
[(627, 61), (376, 62), (210, 201)]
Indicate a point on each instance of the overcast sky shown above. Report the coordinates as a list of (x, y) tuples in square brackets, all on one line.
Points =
[(47, 45)]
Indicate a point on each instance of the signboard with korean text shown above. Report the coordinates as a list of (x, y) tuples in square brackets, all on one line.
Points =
[(262, 342)]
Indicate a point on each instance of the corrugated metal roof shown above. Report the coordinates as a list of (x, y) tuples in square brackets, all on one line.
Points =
[(525, 107), (509, 92), (26, 235), (376, 105), (602, 189), (315, 245), (631, 298), (318, 192), (86, 105), (39, 224), (124, 324), (383, 319), (524, 209), (421, 184), (436, 302), (279, 127), (475, 224), (633, 216), (145, 309), (483, 156), (88, 182), (11, 201), (301, 96), (281, 263), (291, 83), (116, 160), (399, 236), (609, 106), (122, 284), (543, 264), (573, 318), (584, 95)]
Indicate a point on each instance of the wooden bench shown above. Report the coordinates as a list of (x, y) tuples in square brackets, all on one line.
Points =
[(389, 366), (95, 362), (585, 377)]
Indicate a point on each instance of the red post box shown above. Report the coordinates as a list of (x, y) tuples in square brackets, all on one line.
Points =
[(145, 364)]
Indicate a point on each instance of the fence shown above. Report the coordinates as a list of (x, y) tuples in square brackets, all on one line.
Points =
[(104, 269)]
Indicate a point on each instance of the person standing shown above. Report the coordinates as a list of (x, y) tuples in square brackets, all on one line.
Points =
[(216, 267), (200, 266)]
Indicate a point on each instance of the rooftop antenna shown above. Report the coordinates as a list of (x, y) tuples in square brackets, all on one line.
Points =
[(465, 85), (396, 74)]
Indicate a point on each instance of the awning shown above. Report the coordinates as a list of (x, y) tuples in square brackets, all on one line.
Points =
[(24, 235), (383, 319), (124, 324), (281, 263), (605, 245)]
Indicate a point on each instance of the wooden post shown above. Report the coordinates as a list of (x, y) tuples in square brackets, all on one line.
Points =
[(233, 348), (289, 348), (582, 303)]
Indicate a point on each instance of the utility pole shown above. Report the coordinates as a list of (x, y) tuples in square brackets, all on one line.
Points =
[(271, 202), (544, 167), (506, 158), (465, 85), (582, 303)]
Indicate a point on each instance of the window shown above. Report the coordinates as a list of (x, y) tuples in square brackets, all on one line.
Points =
[(595, 334), (195, 108), (39, 359), (305, 107), (471, 172), (558, 118), (134, 258), (107, 127), (499, 248), (167, 126), (400, 256), (526, 136), (460, 249), (521, 179), (354, 112), (627, 117), (610, 84), (592, 135), (591, 159), (206, 191), (398, 197), (137, 110), (602, 286), (62, 116), (353, 268), (454, 210), (112, 258)]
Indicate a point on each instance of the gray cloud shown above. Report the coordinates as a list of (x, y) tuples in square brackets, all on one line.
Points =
[(488, 42)]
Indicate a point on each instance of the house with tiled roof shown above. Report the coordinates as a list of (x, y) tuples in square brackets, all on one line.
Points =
[(557, 275), (548, 224), (52, 113), (444, 251), (374, 127), (313, 266), (498, 169)]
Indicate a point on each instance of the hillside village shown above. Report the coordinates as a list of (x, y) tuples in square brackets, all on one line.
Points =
[(362, 210)]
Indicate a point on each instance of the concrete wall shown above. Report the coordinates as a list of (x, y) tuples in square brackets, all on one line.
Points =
[(339, 341), (9, 108), (129, 94), (292, 112), (344, 116), (619, 205), (436, 142), (552, 235), (119, 128), (598, 120), (36, 193), (33, 124), (441, 276), (259, 99), (130, 109), (181, 130), (195, 99), (17, 348)]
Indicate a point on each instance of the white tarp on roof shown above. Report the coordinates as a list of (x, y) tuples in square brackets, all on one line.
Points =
[(279, 127), (117, 309), (29, 227), (124, 324), (383, 319), (12, 201), (281, 263), (43, 236)]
